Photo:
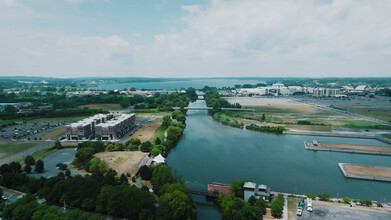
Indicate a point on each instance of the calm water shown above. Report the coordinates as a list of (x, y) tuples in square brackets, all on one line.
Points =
[(196, 83), (211, 152)]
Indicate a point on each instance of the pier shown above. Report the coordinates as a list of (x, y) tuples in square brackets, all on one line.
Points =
[(365, 172), (349, 148)]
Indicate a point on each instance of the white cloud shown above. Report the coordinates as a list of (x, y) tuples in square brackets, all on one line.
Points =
[(224, 38)]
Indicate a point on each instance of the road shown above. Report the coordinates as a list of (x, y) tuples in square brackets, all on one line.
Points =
[(326, 108), (20, 155)]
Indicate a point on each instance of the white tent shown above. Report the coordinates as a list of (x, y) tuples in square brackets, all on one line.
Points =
[(159, 159)]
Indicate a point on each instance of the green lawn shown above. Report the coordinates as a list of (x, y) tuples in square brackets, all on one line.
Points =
[(159, 133), (41, 154), (7, 148), (386, 135)]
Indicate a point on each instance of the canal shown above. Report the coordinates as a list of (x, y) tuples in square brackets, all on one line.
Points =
[(212, 152)]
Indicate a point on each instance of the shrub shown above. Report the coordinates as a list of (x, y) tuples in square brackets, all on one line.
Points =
[(324, 197)]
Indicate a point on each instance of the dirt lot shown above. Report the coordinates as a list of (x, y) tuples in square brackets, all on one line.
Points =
[(356, 147), (123, 161), (147, 132), (368, 170)]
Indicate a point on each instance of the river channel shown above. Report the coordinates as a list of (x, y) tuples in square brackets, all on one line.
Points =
[(212, 152)]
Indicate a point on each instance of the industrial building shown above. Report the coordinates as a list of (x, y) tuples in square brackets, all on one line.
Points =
[(100, 126)]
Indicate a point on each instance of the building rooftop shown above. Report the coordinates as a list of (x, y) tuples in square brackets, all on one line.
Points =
[(249, 185)]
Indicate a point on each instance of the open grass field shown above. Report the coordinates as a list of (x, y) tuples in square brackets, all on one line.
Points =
[(53, 134), (123, 161), (160, 133), (57, 120), (381, 113), (10, 148), (101, 106), (147, 132), (368, 170)]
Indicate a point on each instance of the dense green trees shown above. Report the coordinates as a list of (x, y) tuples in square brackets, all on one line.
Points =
[(98, 166), (233, 208), (146, 146), (278, 206), (236, 188), (145, 172), (213, 99), (273, 129)]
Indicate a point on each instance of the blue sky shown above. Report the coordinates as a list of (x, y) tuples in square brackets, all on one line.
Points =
[(189, 38)]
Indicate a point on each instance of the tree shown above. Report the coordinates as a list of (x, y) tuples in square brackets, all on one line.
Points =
[(123, 179), (39, 166), (98, 166), (159, 149), (145, 172), (324, 197), (146, 146), (133, 141), (181, 118), (263, 117), (58, 144), (176, 205), (236, 188), (29, 160), (278, 206), (27, 169), (173, 133), (166, 121), (125, 102), (311, 195), (158, 141)]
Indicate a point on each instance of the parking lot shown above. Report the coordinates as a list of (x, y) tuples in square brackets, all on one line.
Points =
[(25, 130), (64, 156), (326, 212)]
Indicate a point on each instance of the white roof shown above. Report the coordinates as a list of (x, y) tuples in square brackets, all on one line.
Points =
[(159, 159), (362, 87), (249, 185)]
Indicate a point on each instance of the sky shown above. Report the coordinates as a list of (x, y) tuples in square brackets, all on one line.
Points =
[(195, 38)]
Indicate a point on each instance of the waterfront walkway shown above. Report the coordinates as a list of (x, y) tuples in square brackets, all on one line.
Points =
[(349, 148)]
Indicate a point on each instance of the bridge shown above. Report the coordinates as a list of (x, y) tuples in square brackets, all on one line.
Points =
[(210, 108), (200, 192)]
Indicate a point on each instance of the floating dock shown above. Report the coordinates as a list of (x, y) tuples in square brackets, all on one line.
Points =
[(348, 148), (365, 172)]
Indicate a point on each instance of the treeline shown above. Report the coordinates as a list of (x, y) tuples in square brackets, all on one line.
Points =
[(213, 99), (100, 192), (28, 208), (163, 102), (273, 129)]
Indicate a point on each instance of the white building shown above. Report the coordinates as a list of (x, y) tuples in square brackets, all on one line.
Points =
[(326, 92), (85, 129)]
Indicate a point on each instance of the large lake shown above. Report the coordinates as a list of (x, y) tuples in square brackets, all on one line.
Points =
[(212, 152), (195, 83)]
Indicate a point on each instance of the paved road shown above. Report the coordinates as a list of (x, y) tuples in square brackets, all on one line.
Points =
[(326, 108), (20, 155)]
